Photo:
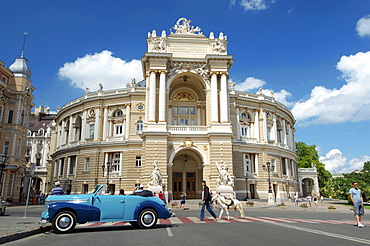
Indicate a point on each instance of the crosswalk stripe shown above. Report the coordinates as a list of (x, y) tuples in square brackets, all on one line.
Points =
[(190, 220)]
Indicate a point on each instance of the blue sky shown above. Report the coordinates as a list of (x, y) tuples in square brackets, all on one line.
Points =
[(314, 55)]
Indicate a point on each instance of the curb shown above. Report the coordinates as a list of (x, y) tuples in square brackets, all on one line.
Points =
[(22, 234)]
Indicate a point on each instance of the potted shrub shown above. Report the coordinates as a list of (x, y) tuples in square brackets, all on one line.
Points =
[(303, 206), (250, 204), (282, 205), (332, 209), (174, 204)]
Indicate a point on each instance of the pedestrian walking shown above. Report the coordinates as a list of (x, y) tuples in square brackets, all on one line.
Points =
[(315, 200), (309, 200), (57, 190), (358, 203), (206, 199), (122, 192), (295, 199), (183, 200), (322, 200)]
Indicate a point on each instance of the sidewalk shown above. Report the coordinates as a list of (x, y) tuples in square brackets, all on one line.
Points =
[(15, 226)]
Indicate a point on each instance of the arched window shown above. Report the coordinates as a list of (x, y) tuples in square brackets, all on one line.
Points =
[(41, 132), (139, 126)]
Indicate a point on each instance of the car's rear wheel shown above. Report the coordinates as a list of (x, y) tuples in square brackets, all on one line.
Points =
[(63, 222), (147, 218)]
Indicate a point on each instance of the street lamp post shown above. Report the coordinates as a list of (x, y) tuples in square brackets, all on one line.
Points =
[(269, 168), (246, 188), (288, 180), (3, 160), (106, 168)]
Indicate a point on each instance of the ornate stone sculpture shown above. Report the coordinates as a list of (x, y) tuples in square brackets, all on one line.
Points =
[(159, 44), (156, 177), (224, 177), (183, 27)]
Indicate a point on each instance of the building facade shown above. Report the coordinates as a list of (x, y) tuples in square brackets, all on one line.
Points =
[(185, 119), (38, 146), (15, 105)]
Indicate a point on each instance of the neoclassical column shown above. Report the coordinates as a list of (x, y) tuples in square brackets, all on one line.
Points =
[(105, 123), (170, 122), (162, 97), (68, 165), (83, 126), (127, 123), (284, 132), (70, 132), (152, 97), (121, 164), (63, 137), (274, 129), (198, 116), (97, 124), (214, 98), (224, 102), (238, 123), (256, 126), (147, 78)]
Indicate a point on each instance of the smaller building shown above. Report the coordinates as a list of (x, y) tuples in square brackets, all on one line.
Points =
[(38, 145), (15, 106)]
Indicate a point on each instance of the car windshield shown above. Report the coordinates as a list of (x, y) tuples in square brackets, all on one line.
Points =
[(97, 187)]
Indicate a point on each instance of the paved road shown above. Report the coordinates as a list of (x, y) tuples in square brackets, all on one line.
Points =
[(263, 226)]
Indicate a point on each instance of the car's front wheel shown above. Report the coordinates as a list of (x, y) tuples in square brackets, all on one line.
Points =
[(147, 218), (63, 222)]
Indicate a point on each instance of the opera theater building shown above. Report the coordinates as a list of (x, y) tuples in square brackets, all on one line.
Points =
[(182, 124)]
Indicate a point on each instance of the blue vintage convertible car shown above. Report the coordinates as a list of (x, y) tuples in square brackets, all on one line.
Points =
[(140, 209)]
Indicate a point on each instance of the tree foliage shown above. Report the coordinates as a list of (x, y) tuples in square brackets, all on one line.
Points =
[(339, 187), (308, 157)]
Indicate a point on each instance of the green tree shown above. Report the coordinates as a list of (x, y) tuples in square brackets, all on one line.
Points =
[(308, 157)]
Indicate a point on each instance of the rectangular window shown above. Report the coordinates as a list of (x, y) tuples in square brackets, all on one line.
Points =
[(184, 122), (87, 164), (115, 166), (192, 110), (1, 114), (175, 122), (247, 163), (6, 148), (138, 161), (72, 165), (184, 110), (85, 188), (244, 131), (91, 130), (10, 117), (175, 111), (118, 130), (283, 165), (61, 167)]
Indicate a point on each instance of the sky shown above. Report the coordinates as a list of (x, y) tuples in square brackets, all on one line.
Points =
[(314, 55)]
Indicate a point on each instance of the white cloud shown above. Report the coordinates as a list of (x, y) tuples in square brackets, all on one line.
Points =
[(363, 26), (335, 162), (252, 83), (90, 70), (249, 84), (256, 4), (351, 102)]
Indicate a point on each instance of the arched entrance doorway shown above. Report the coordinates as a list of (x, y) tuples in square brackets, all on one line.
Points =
[(307, 186), (187, 173)]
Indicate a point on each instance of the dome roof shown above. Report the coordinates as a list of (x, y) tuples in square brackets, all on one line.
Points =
[(20, 68)]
